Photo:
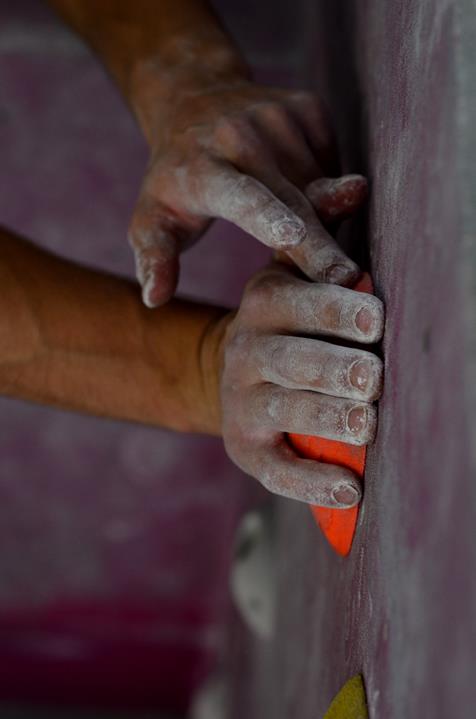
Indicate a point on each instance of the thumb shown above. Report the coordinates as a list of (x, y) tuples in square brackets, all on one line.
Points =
[(335, 199), (156, 245)]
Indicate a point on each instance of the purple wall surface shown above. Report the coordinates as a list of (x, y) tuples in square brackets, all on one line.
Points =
[(401, 609)]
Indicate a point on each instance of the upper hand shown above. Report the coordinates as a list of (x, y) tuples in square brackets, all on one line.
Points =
[(247, 154)]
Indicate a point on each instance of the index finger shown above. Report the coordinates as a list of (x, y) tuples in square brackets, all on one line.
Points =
[(249, 204)]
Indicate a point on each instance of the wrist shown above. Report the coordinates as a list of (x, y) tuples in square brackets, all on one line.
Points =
[(182, 68), (212, 353)]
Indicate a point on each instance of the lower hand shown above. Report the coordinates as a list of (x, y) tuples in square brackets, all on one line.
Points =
[(279, 378)]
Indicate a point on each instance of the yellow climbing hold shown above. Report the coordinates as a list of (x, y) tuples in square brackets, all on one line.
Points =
[(350, 702)]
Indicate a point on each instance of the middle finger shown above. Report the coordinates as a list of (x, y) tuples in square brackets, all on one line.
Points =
[(308, 364)]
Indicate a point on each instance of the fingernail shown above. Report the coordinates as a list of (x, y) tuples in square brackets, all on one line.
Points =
[(147, 289), (140, 271), (346, 494), (290, 233), (359, 374), (364, 320), (339, 274), (357, 420)]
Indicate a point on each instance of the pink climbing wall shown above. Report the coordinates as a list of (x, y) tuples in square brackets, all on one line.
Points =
[(402, 608)]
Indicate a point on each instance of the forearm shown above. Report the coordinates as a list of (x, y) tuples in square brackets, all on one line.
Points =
[(82, 340), (149, 47)]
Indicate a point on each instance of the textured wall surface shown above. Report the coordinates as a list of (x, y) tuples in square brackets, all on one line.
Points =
[(402, 608)]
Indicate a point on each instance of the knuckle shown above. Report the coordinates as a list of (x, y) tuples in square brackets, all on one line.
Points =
[(233, 131), (319, 298), (273, 404), (279, 356), (241, 187), (277, 480), (278, 116), (273, 110), (236, 349), (225, 132), (259, 289), (264, 288)]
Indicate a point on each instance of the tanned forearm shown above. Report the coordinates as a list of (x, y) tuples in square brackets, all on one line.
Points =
[(82, 340), (151, 47)]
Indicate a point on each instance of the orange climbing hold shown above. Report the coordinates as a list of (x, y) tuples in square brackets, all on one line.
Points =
[(338, 525)]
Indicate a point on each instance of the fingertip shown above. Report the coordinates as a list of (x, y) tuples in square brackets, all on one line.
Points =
[(158, 281), (149, 294), (370, 320), (156, 292), (337, 198), (345, 184), (345, 275), (347, 495), (289, 233)]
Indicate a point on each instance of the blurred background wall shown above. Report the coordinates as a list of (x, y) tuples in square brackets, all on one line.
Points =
[(114, 539)]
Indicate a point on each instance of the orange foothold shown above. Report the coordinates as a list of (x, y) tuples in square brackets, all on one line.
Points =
[(337, 525)]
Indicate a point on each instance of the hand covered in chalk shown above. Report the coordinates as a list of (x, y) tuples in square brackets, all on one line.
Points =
[(245, 153), (278, 378)]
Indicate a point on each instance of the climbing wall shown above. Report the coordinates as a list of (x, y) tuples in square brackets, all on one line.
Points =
[(399, 77)]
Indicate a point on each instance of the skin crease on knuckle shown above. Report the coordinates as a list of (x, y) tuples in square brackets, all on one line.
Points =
[(238, 142)]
